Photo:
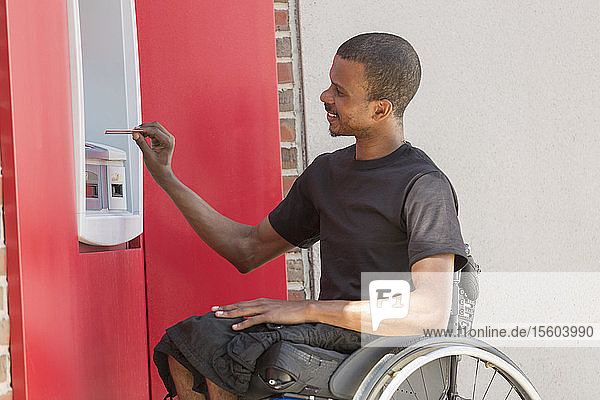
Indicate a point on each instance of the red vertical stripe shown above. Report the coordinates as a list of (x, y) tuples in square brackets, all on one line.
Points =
[(208, 75)]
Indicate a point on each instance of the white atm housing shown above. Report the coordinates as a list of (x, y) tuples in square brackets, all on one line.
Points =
[(105, 87)]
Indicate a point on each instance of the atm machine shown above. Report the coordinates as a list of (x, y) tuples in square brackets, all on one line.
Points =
[(105, 87)]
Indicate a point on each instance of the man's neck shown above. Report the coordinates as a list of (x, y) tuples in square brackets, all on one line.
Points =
[(379, 144)]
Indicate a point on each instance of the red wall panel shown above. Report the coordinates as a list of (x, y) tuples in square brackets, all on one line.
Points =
[(78, 321), (78, 328), (208, 74)]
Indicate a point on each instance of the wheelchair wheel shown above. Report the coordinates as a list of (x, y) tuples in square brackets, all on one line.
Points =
[(441, 369)]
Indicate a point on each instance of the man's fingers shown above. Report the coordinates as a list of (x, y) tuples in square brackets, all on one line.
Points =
[(143, 145), (149, 124), (250, 308), (226, 307), (156, 125), (151, 132), (248, 322), (162, 128), (238, 304), (239, 312), (157, 133)]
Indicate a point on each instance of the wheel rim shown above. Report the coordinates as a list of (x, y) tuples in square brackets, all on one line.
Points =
[(408, 372)]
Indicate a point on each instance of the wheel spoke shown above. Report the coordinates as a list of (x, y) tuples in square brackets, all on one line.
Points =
[(424, 384), (452, 375), (411, 389), (475, 380), (490, 384), (509, 392), (442, 373)]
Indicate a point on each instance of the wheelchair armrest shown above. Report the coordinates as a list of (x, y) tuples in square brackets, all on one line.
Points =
[(347, 377)]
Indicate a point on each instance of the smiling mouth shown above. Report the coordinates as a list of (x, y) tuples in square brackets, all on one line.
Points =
[(331, 116)]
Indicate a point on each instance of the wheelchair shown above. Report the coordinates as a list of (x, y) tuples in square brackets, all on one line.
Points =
[(399, 368)]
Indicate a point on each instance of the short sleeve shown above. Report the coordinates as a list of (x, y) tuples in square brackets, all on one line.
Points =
[(431, 214), (295, 219)]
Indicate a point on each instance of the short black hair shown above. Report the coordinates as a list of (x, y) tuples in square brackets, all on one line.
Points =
[(392, 67)]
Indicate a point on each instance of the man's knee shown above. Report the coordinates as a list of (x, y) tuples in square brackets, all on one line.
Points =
[(184, 381), (216, 392)]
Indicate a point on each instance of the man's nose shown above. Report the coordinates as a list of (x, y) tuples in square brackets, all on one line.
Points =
[(326, 96)]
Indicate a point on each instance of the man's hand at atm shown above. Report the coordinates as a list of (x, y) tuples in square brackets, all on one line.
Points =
[(157, 155)]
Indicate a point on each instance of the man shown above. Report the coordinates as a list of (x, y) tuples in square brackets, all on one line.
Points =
[(380, 205)]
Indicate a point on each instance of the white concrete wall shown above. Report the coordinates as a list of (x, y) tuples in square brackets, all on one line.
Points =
[(509, 108)]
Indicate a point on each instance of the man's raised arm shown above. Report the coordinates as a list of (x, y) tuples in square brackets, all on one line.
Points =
[(246, 247)]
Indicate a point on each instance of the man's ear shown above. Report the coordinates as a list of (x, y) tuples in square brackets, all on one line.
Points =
[(383, 109)]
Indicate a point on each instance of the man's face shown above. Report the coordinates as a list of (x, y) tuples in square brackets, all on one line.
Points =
[(348, 108)]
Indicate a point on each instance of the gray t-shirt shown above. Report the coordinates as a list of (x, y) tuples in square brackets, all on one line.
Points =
[(379, 215)]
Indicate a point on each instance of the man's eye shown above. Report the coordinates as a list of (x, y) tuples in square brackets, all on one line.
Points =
[(339, 92)]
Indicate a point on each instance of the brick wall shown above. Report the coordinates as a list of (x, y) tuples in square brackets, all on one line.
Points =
[(5, 388), (300, 276)]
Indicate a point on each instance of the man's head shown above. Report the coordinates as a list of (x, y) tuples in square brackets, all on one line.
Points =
[(388, 69), (392, 67)]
